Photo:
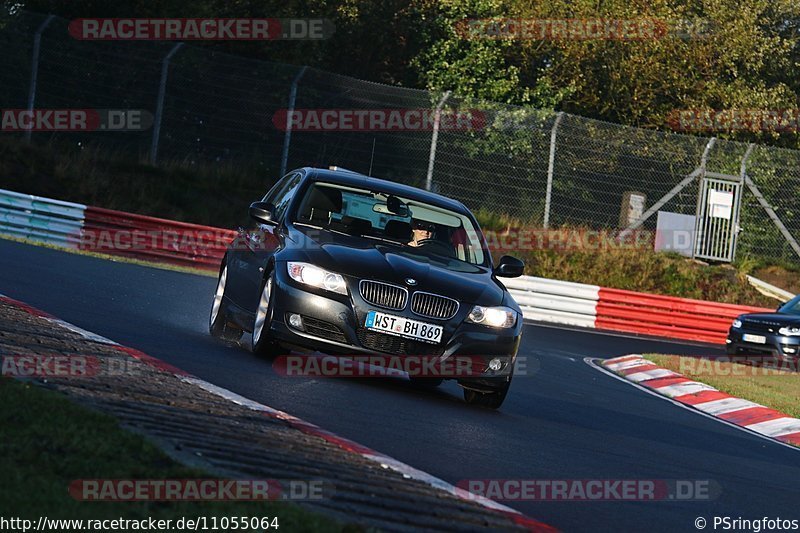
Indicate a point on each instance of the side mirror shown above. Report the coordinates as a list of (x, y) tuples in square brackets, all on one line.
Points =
[(509, 267), (262, 213)]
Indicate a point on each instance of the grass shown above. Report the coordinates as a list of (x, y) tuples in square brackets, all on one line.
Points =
[(46, 442), (772, 388)]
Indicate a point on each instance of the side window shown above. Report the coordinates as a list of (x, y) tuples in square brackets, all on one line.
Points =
[(282, 193)]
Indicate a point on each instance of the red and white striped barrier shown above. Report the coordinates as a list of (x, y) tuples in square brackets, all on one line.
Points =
[(95, 229), (545, 300), (667, 316), (705, 398), (154, 239), (590, 306)]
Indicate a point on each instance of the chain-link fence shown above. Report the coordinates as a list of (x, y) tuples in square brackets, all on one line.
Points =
[(542, 168)]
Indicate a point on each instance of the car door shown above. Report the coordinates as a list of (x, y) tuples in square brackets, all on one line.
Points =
[(258, 242)]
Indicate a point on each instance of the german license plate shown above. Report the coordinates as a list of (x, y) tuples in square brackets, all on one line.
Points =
[(404, 327), (757, 339)]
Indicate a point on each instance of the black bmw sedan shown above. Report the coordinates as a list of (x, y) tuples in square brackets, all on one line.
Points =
[(776, 335), (337, 262)]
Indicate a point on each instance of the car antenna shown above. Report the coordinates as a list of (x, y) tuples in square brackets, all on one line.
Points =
[(371, 158)]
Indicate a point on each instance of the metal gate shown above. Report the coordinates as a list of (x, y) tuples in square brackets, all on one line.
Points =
[(718, 204)]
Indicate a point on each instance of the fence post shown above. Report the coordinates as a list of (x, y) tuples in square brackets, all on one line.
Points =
[(737, 214), (437, 113), (550, 169), (37, 43), (287, 138), (162, 88)]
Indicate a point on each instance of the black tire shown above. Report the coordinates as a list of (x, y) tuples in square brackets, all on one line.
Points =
[(218, 324), (491, 400), (731, 350), (262, 344)]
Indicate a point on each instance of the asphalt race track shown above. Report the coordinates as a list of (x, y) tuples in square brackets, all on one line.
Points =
[(565, 421)]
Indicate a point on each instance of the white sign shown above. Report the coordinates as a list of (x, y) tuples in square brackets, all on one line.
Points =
[(720, 204), (675, 233)]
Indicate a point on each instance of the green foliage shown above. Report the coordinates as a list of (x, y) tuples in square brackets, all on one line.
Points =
[(646, 271), (715, 54), (93, 175)]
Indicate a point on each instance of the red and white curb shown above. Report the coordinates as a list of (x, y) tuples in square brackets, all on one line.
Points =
[(745, 414), (384, 461)]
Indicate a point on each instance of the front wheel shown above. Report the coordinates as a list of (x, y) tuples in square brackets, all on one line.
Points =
[(262, 343), (218, 324), (492, 400)]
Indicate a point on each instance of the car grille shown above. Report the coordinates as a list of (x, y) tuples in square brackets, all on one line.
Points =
[(380, 342), (433, 306), (323, 330), (761, 327), (383, 294)]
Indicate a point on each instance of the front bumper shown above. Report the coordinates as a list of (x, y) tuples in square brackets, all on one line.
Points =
[(334, 324), (779, 347)]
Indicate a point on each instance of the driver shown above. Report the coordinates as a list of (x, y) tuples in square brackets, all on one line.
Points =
[(422, 231)]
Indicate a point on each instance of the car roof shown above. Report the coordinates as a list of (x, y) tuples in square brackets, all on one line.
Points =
[(346, 177)]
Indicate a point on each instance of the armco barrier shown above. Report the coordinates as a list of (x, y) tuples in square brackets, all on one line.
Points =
[(77, 226), (41, 219), (590, 306), (667, 316), (154, 239), (550, 300), (546, 300)]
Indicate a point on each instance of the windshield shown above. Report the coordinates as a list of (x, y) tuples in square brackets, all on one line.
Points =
[(792, 307), (419, 228)]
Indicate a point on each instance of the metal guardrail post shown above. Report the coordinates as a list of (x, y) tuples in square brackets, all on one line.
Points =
[(435, 139), (37, 43), (550, 169), (162, 88), (287, 139)]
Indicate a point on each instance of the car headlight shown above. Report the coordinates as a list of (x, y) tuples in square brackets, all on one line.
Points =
[(789, 332), (314, 276), (496, 317), (736, 324)]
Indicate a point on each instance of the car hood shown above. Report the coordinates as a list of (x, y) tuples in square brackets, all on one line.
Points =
[(782, 318), (363, 258)]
